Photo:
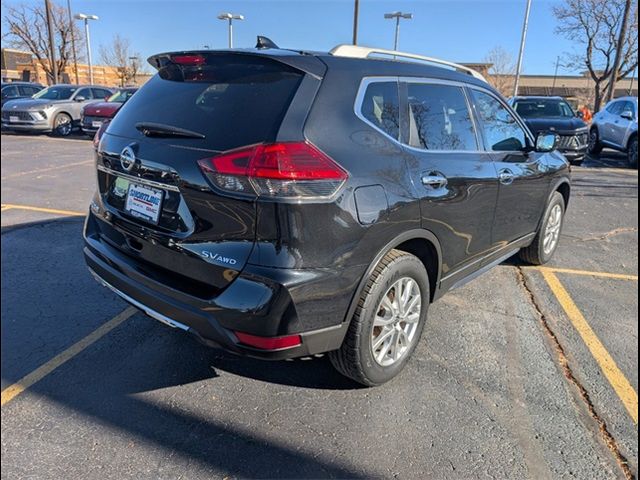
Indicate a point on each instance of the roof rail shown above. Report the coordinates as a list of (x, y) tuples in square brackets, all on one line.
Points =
[(354, 51)]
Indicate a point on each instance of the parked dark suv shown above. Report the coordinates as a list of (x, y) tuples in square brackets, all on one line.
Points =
[(283, 204), (554, 114)]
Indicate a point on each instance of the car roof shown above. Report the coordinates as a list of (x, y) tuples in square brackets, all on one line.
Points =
[(372, 65), (31, 84), (538, 97)]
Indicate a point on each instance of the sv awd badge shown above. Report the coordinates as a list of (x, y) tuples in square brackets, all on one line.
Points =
[(218, 258)]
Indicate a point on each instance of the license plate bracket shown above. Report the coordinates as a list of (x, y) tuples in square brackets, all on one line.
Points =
[(144, 202)]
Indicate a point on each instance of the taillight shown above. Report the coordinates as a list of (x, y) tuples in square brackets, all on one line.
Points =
[(189, 59), (291, 170)]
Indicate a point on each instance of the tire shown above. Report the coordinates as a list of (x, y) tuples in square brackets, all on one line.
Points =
[(632, 151), (595, 147), (355, 358), (62, 125), (540, 252)]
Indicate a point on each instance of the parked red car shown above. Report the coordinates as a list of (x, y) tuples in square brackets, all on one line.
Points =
[(95, 114)]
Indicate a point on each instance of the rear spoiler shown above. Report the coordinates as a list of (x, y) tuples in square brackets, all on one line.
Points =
[(300, 61)]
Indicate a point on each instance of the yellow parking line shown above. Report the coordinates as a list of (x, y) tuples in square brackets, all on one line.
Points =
[(8, 206), (607, 364), (39, 373), (617, 276)]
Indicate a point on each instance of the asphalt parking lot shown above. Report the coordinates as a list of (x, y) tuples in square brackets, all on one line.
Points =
[(523, 373)]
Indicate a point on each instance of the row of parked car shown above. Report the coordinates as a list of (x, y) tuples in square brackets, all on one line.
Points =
[(59, 109)]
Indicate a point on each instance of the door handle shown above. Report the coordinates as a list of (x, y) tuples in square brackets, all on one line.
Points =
[(506, 176), (434, 180)]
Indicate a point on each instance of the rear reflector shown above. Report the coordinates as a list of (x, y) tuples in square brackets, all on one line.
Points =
[(269, 343), (293, 170)]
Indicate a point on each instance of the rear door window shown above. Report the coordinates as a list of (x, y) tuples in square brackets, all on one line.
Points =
[(380, 107), (233, 100), (439, 118), (28, 91), (101, 93), (86, 93), (10, 92)]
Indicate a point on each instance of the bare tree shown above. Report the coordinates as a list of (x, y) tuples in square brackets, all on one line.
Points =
[(120, 56), (595, 25), (26, 27), (502, 70)]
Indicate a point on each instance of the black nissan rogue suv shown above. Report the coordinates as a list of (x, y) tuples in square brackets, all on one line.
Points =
[(282, 204)]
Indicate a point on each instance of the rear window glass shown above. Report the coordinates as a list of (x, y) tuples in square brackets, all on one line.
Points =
[(439, 118), (233, 100)]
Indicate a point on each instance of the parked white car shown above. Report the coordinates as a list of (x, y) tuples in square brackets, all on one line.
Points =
[(55, 109), (616, 126)]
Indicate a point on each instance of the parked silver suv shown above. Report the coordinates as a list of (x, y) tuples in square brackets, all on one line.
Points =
[(616, 126), (55, 109)]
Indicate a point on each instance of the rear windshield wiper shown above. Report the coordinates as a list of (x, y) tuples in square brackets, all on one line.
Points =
[(150, 129)]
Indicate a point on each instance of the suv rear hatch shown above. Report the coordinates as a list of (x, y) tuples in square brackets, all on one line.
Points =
[(161, 208)]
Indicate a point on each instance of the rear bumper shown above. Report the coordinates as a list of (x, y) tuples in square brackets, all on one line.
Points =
[(260, 301)]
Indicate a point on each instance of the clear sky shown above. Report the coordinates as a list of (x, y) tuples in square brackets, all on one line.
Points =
[(458, 30)]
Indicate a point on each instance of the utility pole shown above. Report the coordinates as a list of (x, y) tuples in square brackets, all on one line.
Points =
[(523, 40), (73, 42), (397, 16), (555, 76), (356, 13), (619, 50), (52, 44)]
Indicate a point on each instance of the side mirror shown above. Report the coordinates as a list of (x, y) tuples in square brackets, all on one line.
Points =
[(546, 142), (627, 114), (80, 98), (580, 114)]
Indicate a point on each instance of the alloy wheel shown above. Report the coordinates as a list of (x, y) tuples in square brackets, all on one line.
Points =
[(63, 125), (396, 322), (552, 230)]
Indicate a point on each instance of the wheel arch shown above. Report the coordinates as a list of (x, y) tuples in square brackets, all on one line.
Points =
[(419, 242), (564, 188)]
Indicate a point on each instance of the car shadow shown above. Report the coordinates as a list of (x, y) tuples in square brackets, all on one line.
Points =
[(115, 380)]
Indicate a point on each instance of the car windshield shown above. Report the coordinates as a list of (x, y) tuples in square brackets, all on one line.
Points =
[(543, 108), (121, 96), (56, 93)]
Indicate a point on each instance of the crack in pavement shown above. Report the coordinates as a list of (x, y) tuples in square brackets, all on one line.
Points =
[(605, 236), (608, 439)]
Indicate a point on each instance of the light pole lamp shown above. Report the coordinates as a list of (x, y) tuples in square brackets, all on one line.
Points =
[(397, 16), (230, 17), (86, 18)]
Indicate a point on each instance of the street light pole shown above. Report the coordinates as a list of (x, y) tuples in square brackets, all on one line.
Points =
[(525, 25), (230, 17), (397, 16), (73, 42), (356, 14), (52, 43), (86, 18)]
